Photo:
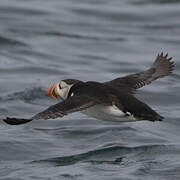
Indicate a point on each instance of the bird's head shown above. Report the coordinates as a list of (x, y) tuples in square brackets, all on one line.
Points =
[(61, 89)]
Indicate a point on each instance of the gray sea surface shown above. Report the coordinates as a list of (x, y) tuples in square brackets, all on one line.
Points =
[(43, 42)]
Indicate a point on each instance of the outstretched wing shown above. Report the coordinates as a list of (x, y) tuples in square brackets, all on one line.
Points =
[(70, 105), (162, 66)]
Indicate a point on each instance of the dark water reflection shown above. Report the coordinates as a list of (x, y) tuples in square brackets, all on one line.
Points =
[(42, 42)]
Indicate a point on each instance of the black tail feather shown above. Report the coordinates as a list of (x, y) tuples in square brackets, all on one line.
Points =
[(16, 121)]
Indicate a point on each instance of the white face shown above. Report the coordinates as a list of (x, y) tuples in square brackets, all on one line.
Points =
[(63, 89), (59, 90)]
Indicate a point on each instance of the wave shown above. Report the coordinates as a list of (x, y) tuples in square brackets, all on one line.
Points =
[(27, 95), (108, 155), (155, 2)]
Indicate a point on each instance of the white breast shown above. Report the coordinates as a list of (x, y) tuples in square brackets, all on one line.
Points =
[(108, 113)]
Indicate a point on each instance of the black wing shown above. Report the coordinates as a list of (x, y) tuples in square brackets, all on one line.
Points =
[(70, 105), (162, 66), (141, 111)]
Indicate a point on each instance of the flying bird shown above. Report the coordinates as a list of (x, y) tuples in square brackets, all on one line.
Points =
[(111, 101)]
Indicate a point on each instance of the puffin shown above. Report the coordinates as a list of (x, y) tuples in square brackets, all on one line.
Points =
[(110, 101)]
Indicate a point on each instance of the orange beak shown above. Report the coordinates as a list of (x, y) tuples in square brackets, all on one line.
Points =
[(50, 91)]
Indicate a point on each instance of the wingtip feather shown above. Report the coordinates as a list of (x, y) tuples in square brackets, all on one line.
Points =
[(16, 121), (163, 65)]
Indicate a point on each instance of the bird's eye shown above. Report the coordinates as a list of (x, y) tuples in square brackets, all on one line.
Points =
[(53, 93), (60, 86)]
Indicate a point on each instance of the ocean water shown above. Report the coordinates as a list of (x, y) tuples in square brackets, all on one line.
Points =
[(42, 42)]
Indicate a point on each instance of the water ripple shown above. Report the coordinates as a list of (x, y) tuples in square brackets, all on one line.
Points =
[(4, 41)]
